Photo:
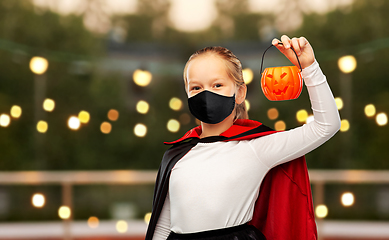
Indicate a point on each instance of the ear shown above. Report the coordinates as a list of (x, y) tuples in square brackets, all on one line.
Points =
[(241, 94)]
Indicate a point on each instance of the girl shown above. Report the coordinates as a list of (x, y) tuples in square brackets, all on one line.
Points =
[(209, 180)]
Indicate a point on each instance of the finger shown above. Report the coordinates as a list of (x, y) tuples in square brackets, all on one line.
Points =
[(275, 41), (286, 41), (296, 46), (303, 41)]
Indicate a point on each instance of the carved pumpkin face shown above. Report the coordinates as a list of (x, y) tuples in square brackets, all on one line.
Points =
[(281, 83)]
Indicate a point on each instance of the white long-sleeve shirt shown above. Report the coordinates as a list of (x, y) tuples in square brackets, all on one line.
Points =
[(215, 185)]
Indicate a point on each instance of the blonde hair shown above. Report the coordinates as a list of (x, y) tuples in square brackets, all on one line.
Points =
[(234, 71)]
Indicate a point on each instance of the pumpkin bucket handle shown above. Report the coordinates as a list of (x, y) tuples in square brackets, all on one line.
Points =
[(272, 46)]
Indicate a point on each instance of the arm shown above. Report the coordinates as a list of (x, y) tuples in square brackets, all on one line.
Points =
[(162, 230)]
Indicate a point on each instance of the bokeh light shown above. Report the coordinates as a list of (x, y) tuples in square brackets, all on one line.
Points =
[(142, 107), (272, 113), (38, 200), (173, 125), (175, 104), (16, 111), (84, 116), (302, 115), (339, 103), (48, 105), (381, 119), (113, 115), (121, 226), (147, 217), (247, 104), (347, 199), (248, 75), (142, 77), (5, 120), (347, 64), (39, 65), (184, 119), (93, 222), (42, 126), (344, 125), (140, 130), (280, 126), (64, 212), (321, 211), (106, 127), (74, 123), (370, 110)]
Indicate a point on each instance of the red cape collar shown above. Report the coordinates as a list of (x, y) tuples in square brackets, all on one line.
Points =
[(240, 126)]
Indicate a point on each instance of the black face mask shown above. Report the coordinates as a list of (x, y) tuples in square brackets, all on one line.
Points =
[(211, 107)]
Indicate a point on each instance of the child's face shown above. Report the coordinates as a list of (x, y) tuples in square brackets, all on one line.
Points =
[(209, 72)]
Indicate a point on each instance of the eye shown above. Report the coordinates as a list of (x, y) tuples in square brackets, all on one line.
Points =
[(195, 88), (217, 85)]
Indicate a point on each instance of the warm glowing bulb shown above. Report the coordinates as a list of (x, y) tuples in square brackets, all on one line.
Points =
[(339, 103), (321, 211), (381, 119), (121, 226), (74, 123), (140, 130), (344, 125), (49, 105), (347, 199), (42, 126), (16, 111), (113, 115), (247, 103), (280, 126), (142, 107), (272, 113), (93, 222), (370, 110), (39, 65), (175, 104), (147, 217), (84, 116), (38, 200), (173, 125), (105, 127), (347, 64), (64, 212), (5, 120), (248, 75), (302, 115), (142, 78)]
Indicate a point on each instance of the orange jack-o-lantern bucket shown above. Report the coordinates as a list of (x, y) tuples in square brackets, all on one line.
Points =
[(281, 83)]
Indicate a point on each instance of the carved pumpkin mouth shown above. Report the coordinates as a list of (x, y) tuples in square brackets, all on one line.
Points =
[(279, 91)]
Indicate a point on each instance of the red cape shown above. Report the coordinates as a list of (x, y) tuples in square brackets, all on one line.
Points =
[(284, 208)]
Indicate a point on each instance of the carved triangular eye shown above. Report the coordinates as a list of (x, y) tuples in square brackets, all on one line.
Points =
[(283, 75), (269, 76)]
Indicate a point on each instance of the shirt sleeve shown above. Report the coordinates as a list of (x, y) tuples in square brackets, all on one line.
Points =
[(162, 229), (285, 146)]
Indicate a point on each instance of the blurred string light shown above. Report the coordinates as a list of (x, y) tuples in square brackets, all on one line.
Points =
[(310, 118), (64, 212), (347, 199), (142, 77), (74, 123), (5, 120), (142, 107), (93, 222), (140, 130), (113, 115), (321, 211), (173, 125), (247, 103), (48, 105), (42, 126), (39, 65), (381, 119), (370, 110), (248, 75), (147, 217), (121, 226), (344, 125), (280, 126), (105, 127), (184, 118), (272, 113), (347, 64), (302, 115), (38, 200), (16, 111), (84, 116), (339, 103), (175, 104)]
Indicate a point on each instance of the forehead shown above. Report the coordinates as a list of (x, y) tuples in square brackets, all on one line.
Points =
[(208, 65)]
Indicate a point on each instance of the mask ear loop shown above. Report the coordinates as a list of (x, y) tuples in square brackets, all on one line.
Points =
[(274, 46)]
